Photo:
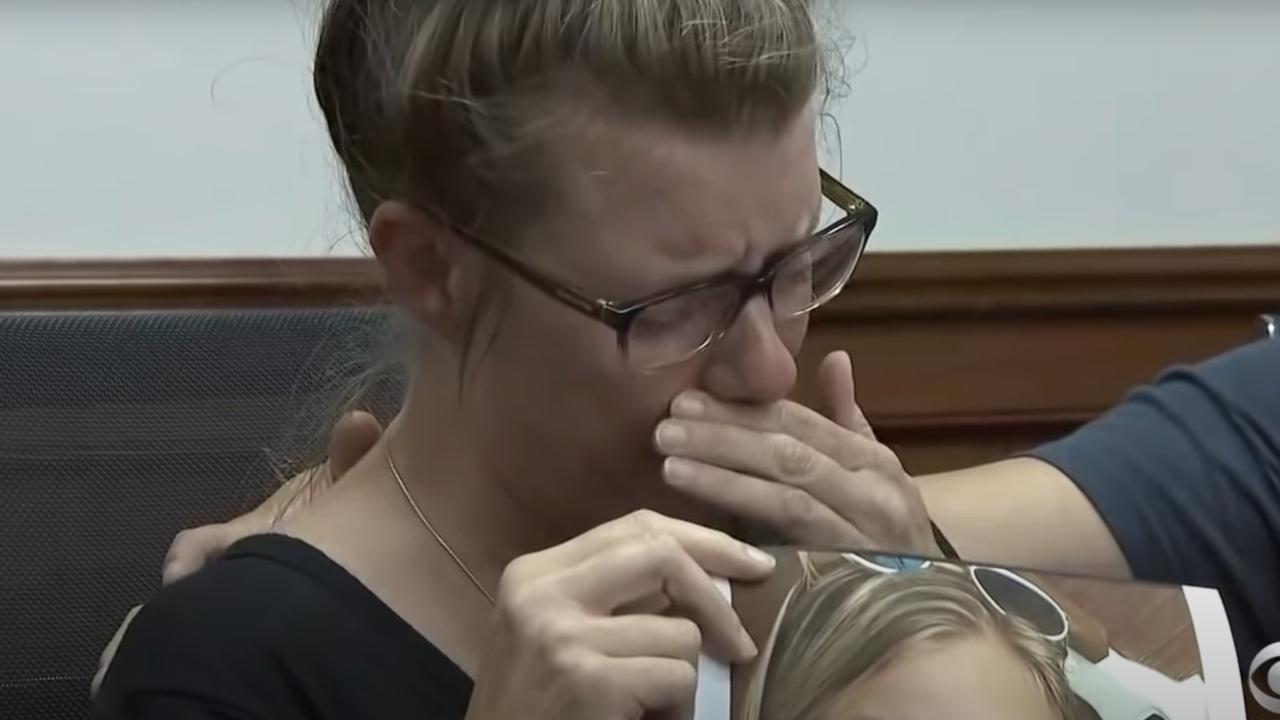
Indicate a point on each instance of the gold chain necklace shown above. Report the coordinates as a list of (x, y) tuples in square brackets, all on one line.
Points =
[(391, 463)]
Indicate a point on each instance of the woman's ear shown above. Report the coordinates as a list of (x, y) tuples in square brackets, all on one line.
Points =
[(422, 264)]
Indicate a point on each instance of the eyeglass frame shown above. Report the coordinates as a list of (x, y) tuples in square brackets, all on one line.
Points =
[(620, 315)]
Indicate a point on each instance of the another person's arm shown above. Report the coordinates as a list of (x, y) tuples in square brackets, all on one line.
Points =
[(1023, 512), (1179, 483)]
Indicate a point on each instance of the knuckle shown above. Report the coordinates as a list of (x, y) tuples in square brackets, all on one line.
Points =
[(646, 517), (688, 636), (515, 575), (686, 679), (660, 548), (883, 498), (643, 522), (573, 663), (887, 461), (799, 508), (521, 605), (588, 677), (794, 457), (552, 631), (663, 559)]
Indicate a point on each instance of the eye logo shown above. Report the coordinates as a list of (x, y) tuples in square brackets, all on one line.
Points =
[(1264, 678)]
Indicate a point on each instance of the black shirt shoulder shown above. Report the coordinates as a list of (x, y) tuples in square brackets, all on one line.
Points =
[(276, 629)]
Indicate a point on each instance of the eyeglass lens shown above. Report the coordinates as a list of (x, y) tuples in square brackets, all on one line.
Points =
[(1020, 600), (674, 329)]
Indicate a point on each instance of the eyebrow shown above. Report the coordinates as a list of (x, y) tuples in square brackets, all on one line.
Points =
[(810, 229), (724, 275)]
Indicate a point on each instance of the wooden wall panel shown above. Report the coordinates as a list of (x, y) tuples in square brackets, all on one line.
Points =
[(965, 358), (953, 393), (960, 357)]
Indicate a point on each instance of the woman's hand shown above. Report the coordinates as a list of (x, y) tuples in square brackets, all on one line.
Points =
[(578, 634), (821, 479)]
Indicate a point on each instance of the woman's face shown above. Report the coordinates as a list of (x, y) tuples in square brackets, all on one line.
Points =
[(978, 677), (651, 209)]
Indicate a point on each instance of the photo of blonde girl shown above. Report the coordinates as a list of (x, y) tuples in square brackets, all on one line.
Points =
[(868, 636), (874, 638)]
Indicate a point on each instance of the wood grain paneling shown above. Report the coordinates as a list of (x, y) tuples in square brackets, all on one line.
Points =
[(960, 357), (220, 283)]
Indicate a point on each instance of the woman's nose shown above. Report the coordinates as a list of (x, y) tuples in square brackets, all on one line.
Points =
[(752, 363)]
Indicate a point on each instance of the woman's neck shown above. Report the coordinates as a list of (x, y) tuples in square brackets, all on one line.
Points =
[(485, 512), (491, 510)]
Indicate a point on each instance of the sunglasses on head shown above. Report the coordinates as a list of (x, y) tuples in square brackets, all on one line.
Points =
[(1004, 590)]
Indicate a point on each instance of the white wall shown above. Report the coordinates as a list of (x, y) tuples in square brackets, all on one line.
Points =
[(981, 123), (165, 128), (162, 127)]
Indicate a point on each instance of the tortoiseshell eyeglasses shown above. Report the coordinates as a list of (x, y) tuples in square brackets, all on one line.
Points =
[(671, 326)]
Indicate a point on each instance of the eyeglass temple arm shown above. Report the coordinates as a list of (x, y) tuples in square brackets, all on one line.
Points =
[(838, 193), (557, 289)]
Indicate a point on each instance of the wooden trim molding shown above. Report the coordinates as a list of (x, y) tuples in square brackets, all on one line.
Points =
[(959, 356), (1077, 282), (129, 284), (888, 286)]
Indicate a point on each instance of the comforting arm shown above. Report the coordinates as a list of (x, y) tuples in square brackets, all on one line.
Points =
[(1023, 512), (1179, 484)]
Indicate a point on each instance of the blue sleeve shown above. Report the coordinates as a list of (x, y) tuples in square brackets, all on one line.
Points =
[(1186, 473)]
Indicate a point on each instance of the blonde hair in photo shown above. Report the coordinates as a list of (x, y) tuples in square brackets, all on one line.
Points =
[(842, 622)]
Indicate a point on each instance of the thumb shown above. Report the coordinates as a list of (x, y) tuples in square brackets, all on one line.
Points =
[(353, 436), (836, 389)]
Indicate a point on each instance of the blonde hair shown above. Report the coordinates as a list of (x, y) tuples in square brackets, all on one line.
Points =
[(451, 103), (842, 622)]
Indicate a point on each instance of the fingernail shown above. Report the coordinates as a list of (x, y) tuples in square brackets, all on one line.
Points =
[(760, 556), (749, 649), (671, 436), (689, 405), (677, 471)]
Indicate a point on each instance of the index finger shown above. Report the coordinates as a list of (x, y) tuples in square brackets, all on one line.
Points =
[(714, 551), (851, 450), (641, 568)]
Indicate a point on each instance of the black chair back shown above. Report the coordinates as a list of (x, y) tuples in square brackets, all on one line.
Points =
[(119, 429)]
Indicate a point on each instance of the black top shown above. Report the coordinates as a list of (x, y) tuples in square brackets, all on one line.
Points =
[(1186, 472), (277, 631)]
